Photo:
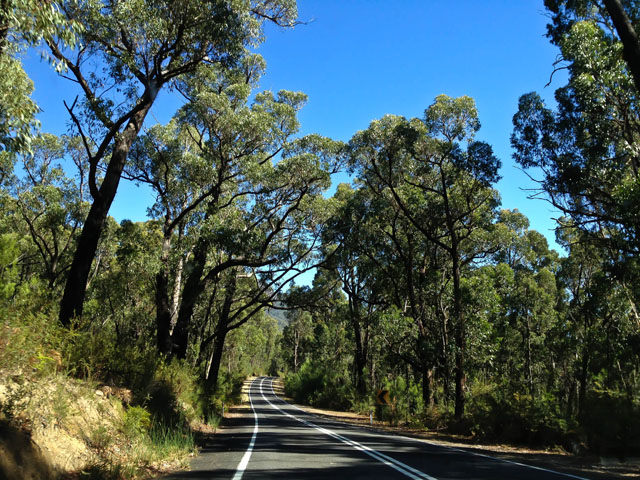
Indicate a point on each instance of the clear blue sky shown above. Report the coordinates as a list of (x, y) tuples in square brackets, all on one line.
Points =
[(361, 59)]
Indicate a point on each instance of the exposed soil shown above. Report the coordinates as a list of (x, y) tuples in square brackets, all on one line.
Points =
[(20, 457)]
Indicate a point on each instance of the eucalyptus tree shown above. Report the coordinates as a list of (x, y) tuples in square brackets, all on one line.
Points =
[(190, 177), (255, 246), (413, 277), (162, 158), (601, 324), (525, 276), (296, 337), (440, 188), (351, 234), (129, 51), (24, 23), (587, 149), (219, 176), (214, 172), (49, 205), (123, 274)]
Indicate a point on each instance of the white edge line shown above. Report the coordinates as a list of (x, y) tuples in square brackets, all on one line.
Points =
[(455, 449), (247, 455), (381, 457)]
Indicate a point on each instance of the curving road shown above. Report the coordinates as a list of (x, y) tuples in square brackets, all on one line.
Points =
[(280, 441)]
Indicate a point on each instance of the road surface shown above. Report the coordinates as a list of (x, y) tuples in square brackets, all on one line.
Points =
[(280, 441)]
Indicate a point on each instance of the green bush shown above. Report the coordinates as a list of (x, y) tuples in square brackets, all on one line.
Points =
[(320, 387), (519, 418), (612, 424), (97, 354), (136, 422)]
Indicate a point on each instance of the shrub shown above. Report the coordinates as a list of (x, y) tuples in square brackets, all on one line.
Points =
[(317, 386), (136, 422), (520, 418), (620, 433)]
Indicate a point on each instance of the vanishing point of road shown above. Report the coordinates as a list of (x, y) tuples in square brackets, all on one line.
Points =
[(277, 440)]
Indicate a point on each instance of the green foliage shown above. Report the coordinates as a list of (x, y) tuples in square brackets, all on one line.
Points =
[(166, 440), (100, 439), (320, 387), (24, 23), (96, 354), (136, 422), (517, 418), (9, 253), (229, 392), (620, 433)]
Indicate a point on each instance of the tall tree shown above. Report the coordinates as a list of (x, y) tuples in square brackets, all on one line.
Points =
[(167, 41), (441, 189), (50, 204), (587, 149), (350, 234)]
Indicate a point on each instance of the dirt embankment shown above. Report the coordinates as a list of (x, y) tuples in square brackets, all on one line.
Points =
[(58, 427)]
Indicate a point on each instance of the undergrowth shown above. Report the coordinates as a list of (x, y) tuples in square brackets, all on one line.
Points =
[(137, 411), (493, 412)]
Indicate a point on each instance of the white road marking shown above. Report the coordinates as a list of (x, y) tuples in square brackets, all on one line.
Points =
[(247, 455), (568, 475), (381, 457), (419, 440)]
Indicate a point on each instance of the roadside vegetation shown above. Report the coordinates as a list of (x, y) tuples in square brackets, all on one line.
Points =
[(122, 342)]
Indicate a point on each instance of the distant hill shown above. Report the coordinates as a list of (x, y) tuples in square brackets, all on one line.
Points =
[(282, 316)]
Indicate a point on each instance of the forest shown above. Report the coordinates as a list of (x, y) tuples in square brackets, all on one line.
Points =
[(420, 281)]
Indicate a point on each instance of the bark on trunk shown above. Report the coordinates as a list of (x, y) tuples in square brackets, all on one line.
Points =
[(216, 361), (582, 392), (296, 343), (163, 309), (221, 334), (193, 288), (177, 288), (461, 340), (628, 36), (361, 353), (427, 386), (75, 289), (528, 361)]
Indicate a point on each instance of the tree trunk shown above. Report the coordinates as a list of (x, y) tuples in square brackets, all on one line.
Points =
[(628, 36), (163, 309), (528, 362), (427, 386), (445, 371), (360, 356), (193, 288), (461, 340), (221, 334), (75, 289), (216, 361), (177, 289), (296, 343)]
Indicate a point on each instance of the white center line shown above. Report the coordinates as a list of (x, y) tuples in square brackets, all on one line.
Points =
[(381, 457), (247, 455)]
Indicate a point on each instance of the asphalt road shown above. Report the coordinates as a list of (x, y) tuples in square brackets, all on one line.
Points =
[(278, 440)]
